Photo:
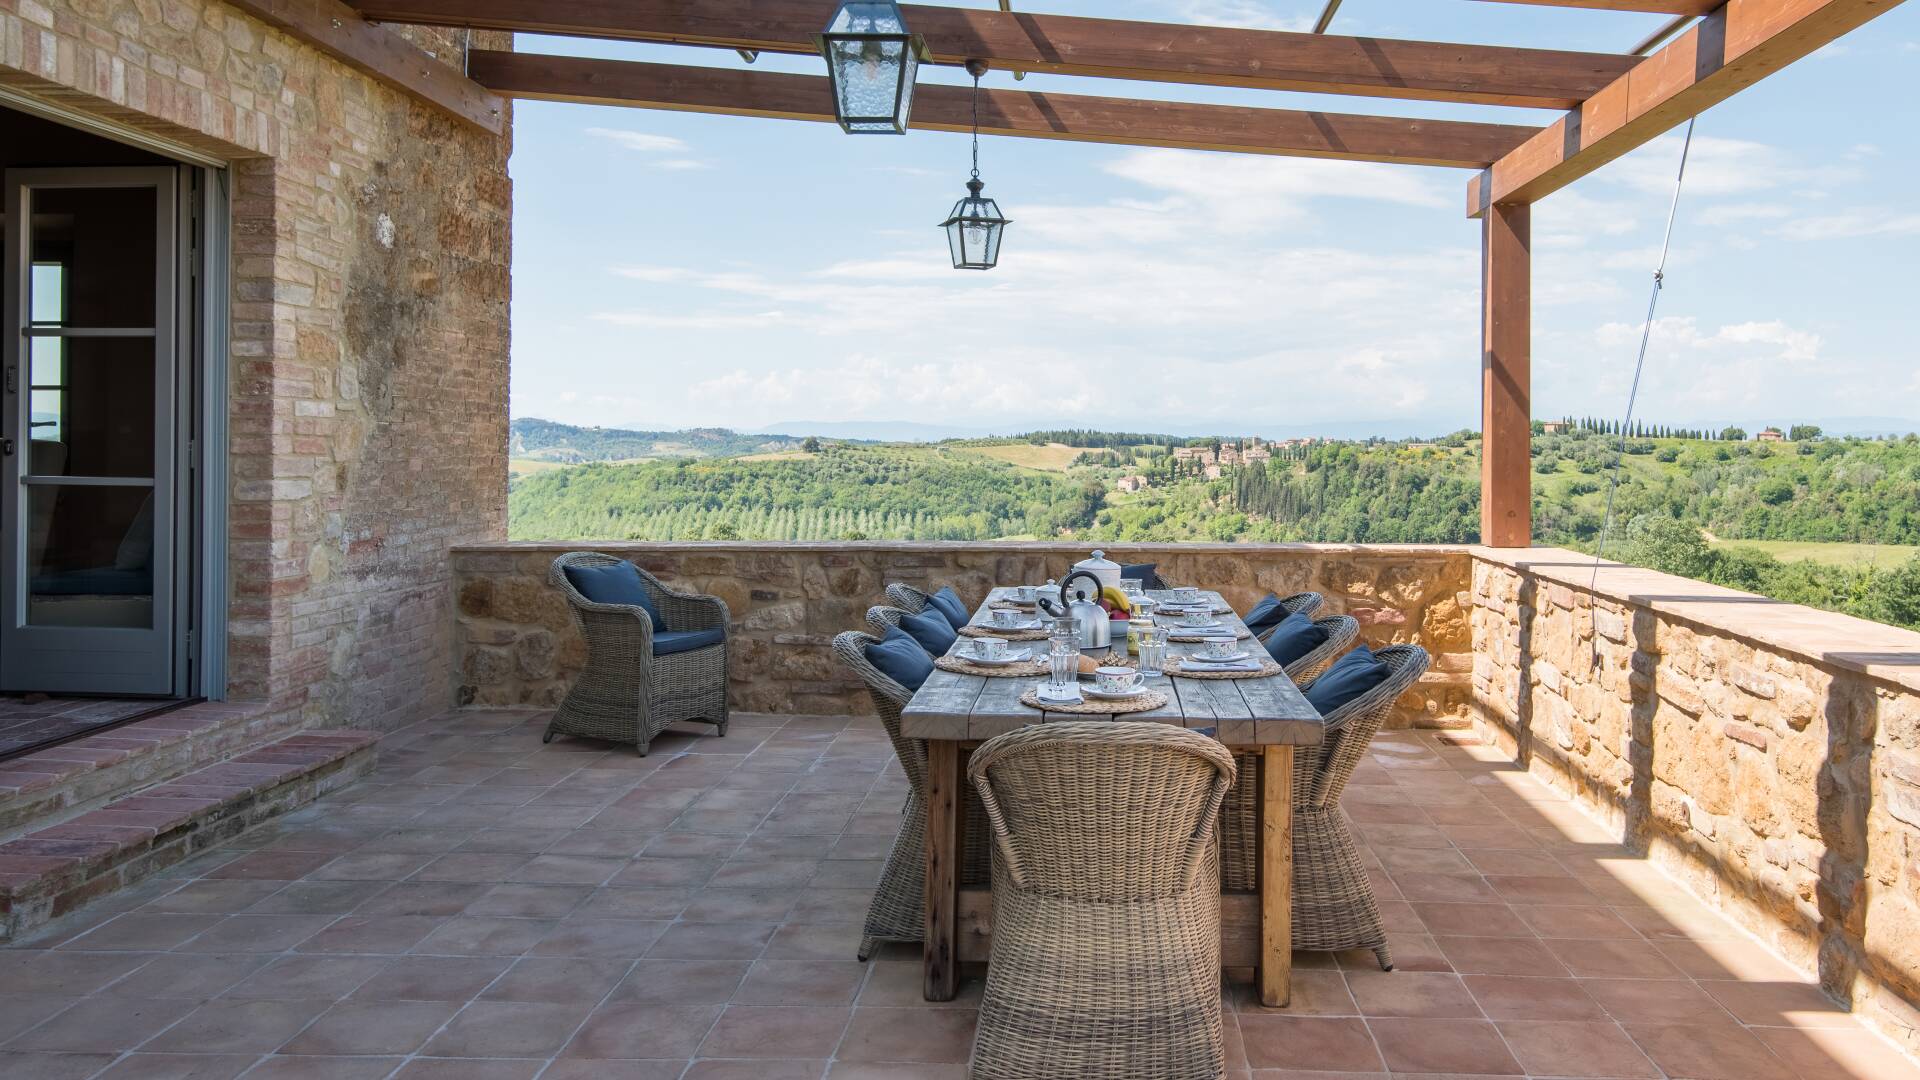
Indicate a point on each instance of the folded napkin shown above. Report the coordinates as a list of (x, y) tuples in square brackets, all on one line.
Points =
[(1065, 696), (1252, 663)]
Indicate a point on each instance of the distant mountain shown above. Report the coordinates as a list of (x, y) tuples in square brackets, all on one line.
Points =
[(545, 440), (878, 430), (909, 431)]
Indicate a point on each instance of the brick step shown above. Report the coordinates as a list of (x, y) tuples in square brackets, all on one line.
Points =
[(48, 786), (54, 870)]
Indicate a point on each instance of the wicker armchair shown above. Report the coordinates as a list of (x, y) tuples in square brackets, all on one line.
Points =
[(907, 598), (1333, 905), (1106, 903), (626, 693), (898, 910), (1341, 632)]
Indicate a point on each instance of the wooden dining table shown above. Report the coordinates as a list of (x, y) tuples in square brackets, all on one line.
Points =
[(1262, 717)]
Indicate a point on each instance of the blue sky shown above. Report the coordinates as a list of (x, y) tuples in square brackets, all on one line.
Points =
[(674, 270)]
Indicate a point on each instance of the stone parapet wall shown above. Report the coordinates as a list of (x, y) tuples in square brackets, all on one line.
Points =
[(1766, 754), (518, 644)]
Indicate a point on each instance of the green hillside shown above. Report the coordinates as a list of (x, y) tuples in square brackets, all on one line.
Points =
[(536, 440)]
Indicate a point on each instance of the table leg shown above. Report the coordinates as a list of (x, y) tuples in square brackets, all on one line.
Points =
[(1276, 876), (941, 938)]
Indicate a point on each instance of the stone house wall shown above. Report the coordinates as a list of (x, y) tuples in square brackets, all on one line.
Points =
[(519, 645), (1765, 754), (370, 283)]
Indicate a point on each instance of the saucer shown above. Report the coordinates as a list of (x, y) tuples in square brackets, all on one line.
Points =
[(1013, 656), (1105, 695), (1231, 658)]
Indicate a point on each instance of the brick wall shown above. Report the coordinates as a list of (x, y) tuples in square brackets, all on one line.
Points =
[(1767, 755), (371, 259), (788, 600)]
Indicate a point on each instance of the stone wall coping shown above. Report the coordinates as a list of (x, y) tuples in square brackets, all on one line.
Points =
[(1876, 650), (985, 547)]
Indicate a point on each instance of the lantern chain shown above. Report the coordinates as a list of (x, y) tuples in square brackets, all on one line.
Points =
[(976, 125)]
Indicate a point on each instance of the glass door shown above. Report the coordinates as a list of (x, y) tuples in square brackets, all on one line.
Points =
[(92, 319)]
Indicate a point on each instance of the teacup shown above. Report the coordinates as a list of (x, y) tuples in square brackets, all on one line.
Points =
[(1217, 648), (1116, 680), (1007, 619), (990, 648), (1197, 618), (1186, 594), (1025, 594)]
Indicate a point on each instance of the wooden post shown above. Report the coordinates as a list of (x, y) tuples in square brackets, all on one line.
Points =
[(1276, 876), (941, 943), (1506, 350)]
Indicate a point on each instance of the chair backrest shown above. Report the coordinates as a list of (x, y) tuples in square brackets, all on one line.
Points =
[(907, 598), (1103, 811), (889, 698), (1351, 727), (1341, 632), (557, 576), (1305, 603), (882, 618)]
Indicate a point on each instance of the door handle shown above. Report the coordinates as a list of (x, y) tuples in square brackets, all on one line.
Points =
[(6, 447)]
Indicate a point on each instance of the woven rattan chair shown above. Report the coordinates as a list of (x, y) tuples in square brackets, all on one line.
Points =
[(1333, 905), (882, 618), (1341, 632), (898, 910), (1240, 819), (625, 693), (1105, 962), (907, 598)]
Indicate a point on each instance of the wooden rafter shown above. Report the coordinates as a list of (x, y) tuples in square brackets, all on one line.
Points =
[(1726, 52), (1021, 113), (1658, 7), (336, 29), (1069, 45)]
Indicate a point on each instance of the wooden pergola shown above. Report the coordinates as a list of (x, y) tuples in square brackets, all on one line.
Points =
[(1613, 104)]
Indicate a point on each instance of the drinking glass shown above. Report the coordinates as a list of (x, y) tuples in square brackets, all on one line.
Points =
[(1063, 666), (1064, 631), (1153, 650)]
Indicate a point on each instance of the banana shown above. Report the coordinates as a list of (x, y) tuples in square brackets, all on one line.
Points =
[(1117, 598)]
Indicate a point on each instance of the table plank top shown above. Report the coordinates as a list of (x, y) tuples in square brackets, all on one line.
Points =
[(1240, 712)]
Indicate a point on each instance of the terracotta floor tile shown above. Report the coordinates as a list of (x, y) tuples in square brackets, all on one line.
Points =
[(1462, 1046), (557, 980), (1542, 889), (1306, 1042), (815, 941), (1780, 1004), (318, 978), (323, 1068), (588, 1069), (531, 901), (1465, 888), (98, 1025), (1470, 920), (922, 1035), (1500, 956), (756, 1031), (373, 1028), (899, 984), (144, 1066), (1564, 1048), (895, 1070), (1829, 1054), (715, 1069), (1656, 1001), (1710, 1052), (495, 1069), (378, 934), (484, 935), (567, 870), (507, 1029), (630, 1030), (433, 978), (234, 1027), (1596, 959), (258, 933), (188, 976), (1411, 993), (1574, 921), (441, 898), (1726, 959), (801, 982), (1315, 993), (581, 936), (691, 982), (317, 897), (1517, 997)]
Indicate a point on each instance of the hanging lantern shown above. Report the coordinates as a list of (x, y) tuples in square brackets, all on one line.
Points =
[(872, 60), (975, 226)]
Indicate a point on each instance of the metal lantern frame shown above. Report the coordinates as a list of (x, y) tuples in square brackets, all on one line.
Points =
[(913, 51), (975, 212)]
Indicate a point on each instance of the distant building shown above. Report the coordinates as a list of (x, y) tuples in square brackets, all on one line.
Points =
[(1185, 453), (1556, 427), (1213, 472), (1257, 453), (1770, 435), (1132, 483), (1229, 456)]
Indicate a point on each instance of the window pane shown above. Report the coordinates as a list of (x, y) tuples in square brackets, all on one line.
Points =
[(104, 413), (102, 239), (49, 294), (49, 361), (89, 556), (48, 412)]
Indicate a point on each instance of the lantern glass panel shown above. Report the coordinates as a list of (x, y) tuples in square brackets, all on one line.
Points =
[(873, 62), (974, 231)]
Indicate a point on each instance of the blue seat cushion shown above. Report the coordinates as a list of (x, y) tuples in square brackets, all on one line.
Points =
[(931, 629), (1295, 637), (1350, 676), (1147, 574), (1265, 615), (668, 642), (615, 583), (900, 658), (948, 603)]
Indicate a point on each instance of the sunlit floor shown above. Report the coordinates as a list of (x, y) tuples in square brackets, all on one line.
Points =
[(488, 908)]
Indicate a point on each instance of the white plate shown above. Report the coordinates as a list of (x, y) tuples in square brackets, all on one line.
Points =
[(1230, 658), (1179, 626), (1013, 656), (1102, 695), (1033, 624), (1048, 698)]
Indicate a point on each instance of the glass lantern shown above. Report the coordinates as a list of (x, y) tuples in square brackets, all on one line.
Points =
[(973, 230), (872, 60)]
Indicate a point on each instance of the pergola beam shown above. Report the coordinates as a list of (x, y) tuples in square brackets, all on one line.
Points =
[(1070, 45), (336, 29), (1723, 54), (1657, 7), (1027, 114)]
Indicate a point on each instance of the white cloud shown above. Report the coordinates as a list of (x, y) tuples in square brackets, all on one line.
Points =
[(1725, 214), (1245, 13), (1850, 226), (1718, 166), (640, 140), (1774, 339)]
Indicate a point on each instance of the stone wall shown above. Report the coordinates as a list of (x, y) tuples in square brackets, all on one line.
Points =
[(1768, 755), (370, 284), (788, 600)]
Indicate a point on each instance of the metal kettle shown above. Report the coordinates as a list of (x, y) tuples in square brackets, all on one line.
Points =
[(1090, 623)]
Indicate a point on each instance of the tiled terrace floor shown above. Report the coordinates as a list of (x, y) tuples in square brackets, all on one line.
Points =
[(486, 908)]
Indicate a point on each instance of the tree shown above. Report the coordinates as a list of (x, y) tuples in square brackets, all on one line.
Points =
[(1662, 543), (1803, 432), (811, 445), (1733, 434)]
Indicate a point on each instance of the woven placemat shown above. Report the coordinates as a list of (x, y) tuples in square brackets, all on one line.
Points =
[(1012, 605), (1268, 669), (1147, 702), (1009, 635), (1025, 669), (1190, 636)]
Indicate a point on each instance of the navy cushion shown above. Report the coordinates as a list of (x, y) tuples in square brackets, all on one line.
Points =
[(1265, 615), (1295, 637), (615, 583), (1147, 574), (948, 603), (900, 658), (668, 642), (931, 630), (1350, 676)]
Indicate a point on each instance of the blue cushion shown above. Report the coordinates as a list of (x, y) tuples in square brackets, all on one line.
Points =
[(900, 658), (1295, 637), (948, 603), (1350, 676), (615, 583), (931, 630), (1147, 574), (1265, 615), (668, 642)]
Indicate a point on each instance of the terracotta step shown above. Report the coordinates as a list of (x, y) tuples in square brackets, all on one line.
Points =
[(47, 786), (51, 871)]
